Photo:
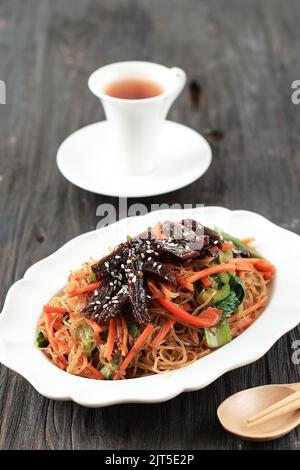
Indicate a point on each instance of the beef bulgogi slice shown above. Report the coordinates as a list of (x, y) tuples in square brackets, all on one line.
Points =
[(99, 298), (115, 305), (137, 291), (159, 271)]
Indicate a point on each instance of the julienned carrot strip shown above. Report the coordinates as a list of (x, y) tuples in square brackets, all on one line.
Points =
[(134, 350), (84, 290), (61, 362), (160, 336), (92, 372), (206, 281), (50, 309), (218, 268), (227, 246), (264, 266), (268, 276), (248, 240), (124, 349), (195, 337), (112, 330), (244, 267), (209, 317), (49, 331), (182, 281), (94, 325)]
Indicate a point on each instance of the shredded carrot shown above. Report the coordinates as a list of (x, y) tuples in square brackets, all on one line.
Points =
[(84, 290), (124, 349), (94, 325), (50, 309), (91, 372), (215, 248), (159, 337), (264, 266), (268, 276), (248, 240), (112, 330), (206, 281), (61, 362), (182, 281), (195, 337), (134, 350), (227, 246), (219, 268)]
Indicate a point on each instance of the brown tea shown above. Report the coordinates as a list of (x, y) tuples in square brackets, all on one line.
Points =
[(133, 89)]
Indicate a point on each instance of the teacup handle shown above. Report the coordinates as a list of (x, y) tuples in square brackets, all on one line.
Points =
[(169, 100)]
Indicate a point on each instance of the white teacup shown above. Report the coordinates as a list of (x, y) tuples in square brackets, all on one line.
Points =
[(134, 124)]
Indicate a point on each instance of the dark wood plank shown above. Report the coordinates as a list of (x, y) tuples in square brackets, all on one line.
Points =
[(243, 57)]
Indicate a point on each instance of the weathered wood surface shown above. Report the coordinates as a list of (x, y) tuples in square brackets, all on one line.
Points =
[(243, 57)]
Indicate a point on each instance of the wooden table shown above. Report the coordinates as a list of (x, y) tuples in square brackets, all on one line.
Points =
[(240, 58)]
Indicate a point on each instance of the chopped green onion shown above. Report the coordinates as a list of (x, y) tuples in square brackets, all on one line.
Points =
[(41, 341), (239, 244), (218, 335), (92, 277), (107, 372), (84, 334)]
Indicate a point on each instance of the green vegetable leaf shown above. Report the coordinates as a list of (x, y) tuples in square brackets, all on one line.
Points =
[(133, 330), (218, 335), (237, 286), (228, 305), (92, 277), (41, 341)]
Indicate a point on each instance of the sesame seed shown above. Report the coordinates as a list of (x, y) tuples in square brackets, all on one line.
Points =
[(142, 255), (111, 283), (154, 264), (129, 261), (95, 308), (96, 292), (149, 259), (105, 305), (117, 257), (122, 266), (134, 279), (159, 267), (106, 264), (115, 301), (98, 302)]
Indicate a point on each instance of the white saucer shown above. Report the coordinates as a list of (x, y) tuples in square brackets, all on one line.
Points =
[(83, 158)]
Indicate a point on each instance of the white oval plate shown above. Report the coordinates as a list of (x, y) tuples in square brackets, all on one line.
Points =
[(24, 302)]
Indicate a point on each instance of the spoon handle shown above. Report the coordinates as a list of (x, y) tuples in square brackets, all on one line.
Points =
[(293, 397)]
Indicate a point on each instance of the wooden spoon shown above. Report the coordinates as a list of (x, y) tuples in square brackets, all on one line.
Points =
[(236, 409)]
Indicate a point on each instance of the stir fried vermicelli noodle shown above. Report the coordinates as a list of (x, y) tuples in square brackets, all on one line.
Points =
[(208, 300)]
